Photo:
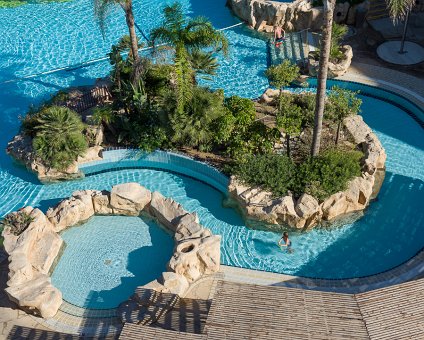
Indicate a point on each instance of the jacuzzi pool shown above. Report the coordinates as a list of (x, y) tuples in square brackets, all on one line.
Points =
[(107, 257)]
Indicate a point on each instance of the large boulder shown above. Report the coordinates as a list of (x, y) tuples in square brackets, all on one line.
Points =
[(188, 228), (174, 283), (308, 209), (196, 257), (166, 210), (71, 211), (129, 199), (101, 203), (31, 255), (37, 295)]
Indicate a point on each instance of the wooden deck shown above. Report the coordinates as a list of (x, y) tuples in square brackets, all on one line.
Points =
[(242, 311), (264, 312), (395, 312)]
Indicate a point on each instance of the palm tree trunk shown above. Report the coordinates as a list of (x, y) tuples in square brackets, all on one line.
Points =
[(129, 16), (338, 132), (322, 75), (288, 144), (405, 27)]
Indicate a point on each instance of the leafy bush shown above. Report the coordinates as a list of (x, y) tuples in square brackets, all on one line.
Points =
[(17, 221), (328, 173), (58, 137), (283, 74), (320, 177), (194, 126), (271, 172)]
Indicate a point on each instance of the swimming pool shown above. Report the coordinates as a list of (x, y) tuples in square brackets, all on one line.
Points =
[(390, 232), (107, 257)]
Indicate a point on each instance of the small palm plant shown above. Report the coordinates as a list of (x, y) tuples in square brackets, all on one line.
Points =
[(58, 137), (188, 37)]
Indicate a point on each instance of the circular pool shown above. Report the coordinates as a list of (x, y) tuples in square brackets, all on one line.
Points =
[(107, 257), (391, 231)]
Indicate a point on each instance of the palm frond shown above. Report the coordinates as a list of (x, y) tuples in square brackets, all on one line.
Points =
[(398, 9), (101, 11)]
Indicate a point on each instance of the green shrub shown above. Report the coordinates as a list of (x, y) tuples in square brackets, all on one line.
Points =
[(194, 127), (271, 172), (337, 34), (328, 173), (319, 177), (58, 137), (17, 221)]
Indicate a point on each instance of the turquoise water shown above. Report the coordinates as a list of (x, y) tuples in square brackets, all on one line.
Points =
[(38, 38), (119, 252)]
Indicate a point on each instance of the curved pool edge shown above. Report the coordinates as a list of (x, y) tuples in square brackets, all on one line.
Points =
[(129, 158)]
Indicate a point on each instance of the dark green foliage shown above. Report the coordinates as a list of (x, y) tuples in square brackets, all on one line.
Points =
[(282, 75), (337, 34), (237, 132), (194, 126), (269, 171), (320, 177), (58, 137), (306, 101), (17, 221), (328, 173)]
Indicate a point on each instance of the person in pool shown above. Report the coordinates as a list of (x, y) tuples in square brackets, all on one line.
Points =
[(279, 35), (285, 242)]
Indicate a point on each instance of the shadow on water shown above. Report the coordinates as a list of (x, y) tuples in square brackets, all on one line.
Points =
[(212, 199), (390, 232), (145, 263)]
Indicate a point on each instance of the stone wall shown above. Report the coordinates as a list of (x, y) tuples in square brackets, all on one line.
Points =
[(306, 211), (298, 15), (31, 254)]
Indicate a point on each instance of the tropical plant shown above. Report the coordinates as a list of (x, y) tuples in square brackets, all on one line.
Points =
[(322, 75), (289, 118), (101, 9), (17, 222), (399, 10), (194, 126), (328, 173), (282, 75), (338, 33), (342, 103), (58, 137), (104, 115), (188, 37)]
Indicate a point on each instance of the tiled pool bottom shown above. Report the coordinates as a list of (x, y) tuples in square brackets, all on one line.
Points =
[(107, 257)]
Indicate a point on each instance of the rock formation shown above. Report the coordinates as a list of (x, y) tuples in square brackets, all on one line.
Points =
[(20, 148), (306, 212), (32, 253), (335, 69)]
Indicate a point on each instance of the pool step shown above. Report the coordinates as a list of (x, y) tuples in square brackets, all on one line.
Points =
[(292, 48)]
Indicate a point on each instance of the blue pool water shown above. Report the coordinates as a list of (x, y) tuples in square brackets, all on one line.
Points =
[(120, 253), (37, 38)]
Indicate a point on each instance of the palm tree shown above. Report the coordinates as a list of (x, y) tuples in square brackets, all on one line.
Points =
[(399, 10), (188, 37), (101, 8), (322, 74)]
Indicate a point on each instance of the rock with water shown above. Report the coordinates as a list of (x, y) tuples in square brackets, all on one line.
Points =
[(72, 211), (129, 199), (166, 210), (101, 203)]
